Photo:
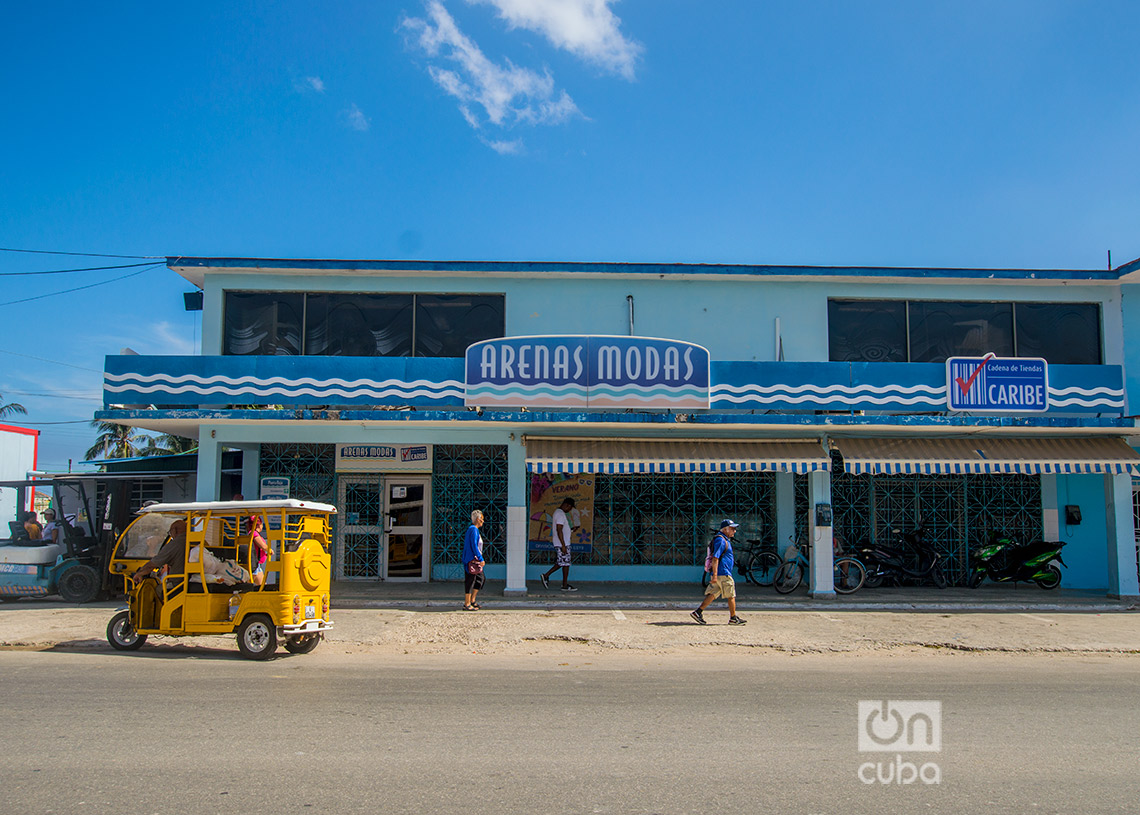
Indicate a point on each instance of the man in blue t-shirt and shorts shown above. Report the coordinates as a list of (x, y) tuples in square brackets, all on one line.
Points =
[(720, 564)]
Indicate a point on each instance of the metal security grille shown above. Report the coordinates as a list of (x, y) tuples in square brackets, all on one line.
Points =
[(959, 511), (360, 501), (668, 520), (309, 467), (466, 477), (1136, 520)]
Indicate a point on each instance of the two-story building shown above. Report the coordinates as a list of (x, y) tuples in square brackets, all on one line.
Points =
[(805, 402)]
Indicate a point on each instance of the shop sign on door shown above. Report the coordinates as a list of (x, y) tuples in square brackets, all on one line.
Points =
[(383, 458), (994, 384)]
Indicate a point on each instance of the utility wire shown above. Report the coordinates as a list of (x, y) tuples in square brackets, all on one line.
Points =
[(52, 361), (83, 254), (70, 271), (81, 288)]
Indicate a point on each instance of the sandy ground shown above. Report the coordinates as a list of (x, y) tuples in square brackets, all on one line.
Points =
[(529, 632)]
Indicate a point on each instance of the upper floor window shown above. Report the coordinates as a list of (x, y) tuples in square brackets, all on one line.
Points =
[(358, 324), (931, 331)]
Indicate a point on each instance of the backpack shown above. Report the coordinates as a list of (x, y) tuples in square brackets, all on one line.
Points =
[(709, 553)]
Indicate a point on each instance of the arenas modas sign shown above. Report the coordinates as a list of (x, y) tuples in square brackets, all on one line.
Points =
[(997, 384), (587, 372)]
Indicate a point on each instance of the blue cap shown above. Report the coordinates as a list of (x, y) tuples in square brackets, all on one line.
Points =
[(728, 522)]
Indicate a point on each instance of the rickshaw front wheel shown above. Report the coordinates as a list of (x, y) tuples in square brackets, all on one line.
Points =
[(257, 637), (302, 643), (122, 635)]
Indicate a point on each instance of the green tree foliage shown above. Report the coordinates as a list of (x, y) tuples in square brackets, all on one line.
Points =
[(117, 441), (11, 409)]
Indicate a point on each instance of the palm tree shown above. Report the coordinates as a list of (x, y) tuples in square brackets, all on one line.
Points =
[(169, 445), (11, 408), (116, 441)]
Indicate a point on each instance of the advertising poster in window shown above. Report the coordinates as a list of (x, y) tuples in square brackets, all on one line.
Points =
[(547, 492)]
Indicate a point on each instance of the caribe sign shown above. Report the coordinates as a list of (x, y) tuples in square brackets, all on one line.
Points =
[(587, 372), (997, 384)]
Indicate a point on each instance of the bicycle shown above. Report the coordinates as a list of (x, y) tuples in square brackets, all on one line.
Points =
[(848, 575), (757, 564)]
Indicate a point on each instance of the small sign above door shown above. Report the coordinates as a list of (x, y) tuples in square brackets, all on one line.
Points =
[(383, 458)]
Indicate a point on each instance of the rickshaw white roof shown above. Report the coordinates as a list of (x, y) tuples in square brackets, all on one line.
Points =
[(224, 506)]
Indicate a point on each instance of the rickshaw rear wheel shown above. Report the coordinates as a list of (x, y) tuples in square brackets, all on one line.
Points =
[(257, 637), (122, 635), (302, 643)]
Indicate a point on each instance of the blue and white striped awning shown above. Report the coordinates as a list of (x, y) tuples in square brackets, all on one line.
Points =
[(636, 456), (917, 456)]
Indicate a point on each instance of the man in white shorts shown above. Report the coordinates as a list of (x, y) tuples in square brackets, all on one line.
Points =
[(560, 534)]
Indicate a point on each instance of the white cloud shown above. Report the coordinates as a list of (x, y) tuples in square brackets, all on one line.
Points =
[(309, 83), (355, 118), (167, 339), (505, 94), (585, 28), (505, 148)]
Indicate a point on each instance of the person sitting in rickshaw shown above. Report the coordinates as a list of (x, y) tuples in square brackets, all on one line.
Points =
[(172, 554)]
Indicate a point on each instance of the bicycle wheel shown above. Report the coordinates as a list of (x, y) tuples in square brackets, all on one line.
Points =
[(849, 575), (788, 577), (763, 567)]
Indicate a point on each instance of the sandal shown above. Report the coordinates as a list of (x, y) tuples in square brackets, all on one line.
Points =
[(469, 608), (476, 606)]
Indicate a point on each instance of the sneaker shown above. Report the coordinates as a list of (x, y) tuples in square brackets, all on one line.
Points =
[(734, 620), (545, 582), (568, 587), (699, 617)]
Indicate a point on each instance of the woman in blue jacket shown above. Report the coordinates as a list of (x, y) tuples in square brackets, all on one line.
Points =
[(473, 562)]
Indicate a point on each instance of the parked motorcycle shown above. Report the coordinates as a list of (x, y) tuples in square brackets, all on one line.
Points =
[(907, 557), (1003, 560)]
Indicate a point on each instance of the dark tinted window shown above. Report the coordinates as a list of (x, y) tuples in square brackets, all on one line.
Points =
[(359, 325), (941, 330), (866, 330), (1062, 333), (263, 323), (447, 323)]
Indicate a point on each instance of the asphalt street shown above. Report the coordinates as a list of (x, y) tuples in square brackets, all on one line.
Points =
[(190, 728)]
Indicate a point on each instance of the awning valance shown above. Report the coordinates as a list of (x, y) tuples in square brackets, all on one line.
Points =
[(988, 455), (631, 456)]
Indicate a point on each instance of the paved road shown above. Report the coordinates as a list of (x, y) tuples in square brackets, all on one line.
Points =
[(197, 730)]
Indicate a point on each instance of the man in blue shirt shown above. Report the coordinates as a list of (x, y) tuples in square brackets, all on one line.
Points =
[(721, 584)]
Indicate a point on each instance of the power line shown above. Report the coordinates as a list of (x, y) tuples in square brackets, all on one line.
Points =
[(71, 271), (82, 397), (83, 254), (52, 361), (43, 424), (81, 288)]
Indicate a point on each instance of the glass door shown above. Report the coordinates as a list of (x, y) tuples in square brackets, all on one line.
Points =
[(407, 550)]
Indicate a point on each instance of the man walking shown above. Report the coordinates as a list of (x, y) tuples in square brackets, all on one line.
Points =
[(720, 565), (560, 533)]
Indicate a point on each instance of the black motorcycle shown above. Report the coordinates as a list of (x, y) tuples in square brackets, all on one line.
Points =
[(1003, 560), (908, 557)]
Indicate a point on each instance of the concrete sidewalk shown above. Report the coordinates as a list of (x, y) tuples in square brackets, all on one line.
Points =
[(671, 596)]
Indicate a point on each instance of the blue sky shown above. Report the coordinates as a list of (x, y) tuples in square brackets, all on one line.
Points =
[(991, 134)]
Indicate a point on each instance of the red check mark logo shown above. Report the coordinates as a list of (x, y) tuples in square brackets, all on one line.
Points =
[(965, 385)]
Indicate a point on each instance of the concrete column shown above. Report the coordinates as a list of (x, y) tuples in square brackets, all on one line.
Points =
[(251, 471), (209, 465), (1050, 515), (822, 557), (785, 511), (517, 480), (1122, 580)]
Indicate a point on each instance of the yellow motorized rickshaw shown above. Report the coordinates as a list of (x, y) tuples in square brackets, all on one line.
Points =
[(194, 568)]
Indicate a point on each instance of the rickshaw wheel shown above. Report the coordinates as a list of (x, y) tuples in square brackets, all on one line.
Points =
[(302, 643), (257, 637), (122, 635)]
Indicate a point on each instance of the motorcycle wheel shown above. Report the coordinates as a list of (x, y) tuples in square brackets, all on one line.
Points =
[(874, 579), (976, 579), (1053, 580), (938, 577)]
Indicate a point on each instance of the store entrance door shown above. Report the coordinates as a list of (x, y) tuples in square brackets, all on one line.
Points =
[(384, 528), (408, 545)]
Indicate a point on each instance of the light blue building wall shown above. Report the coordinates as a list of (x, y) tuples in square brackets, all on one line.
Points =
[(740, 314)]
